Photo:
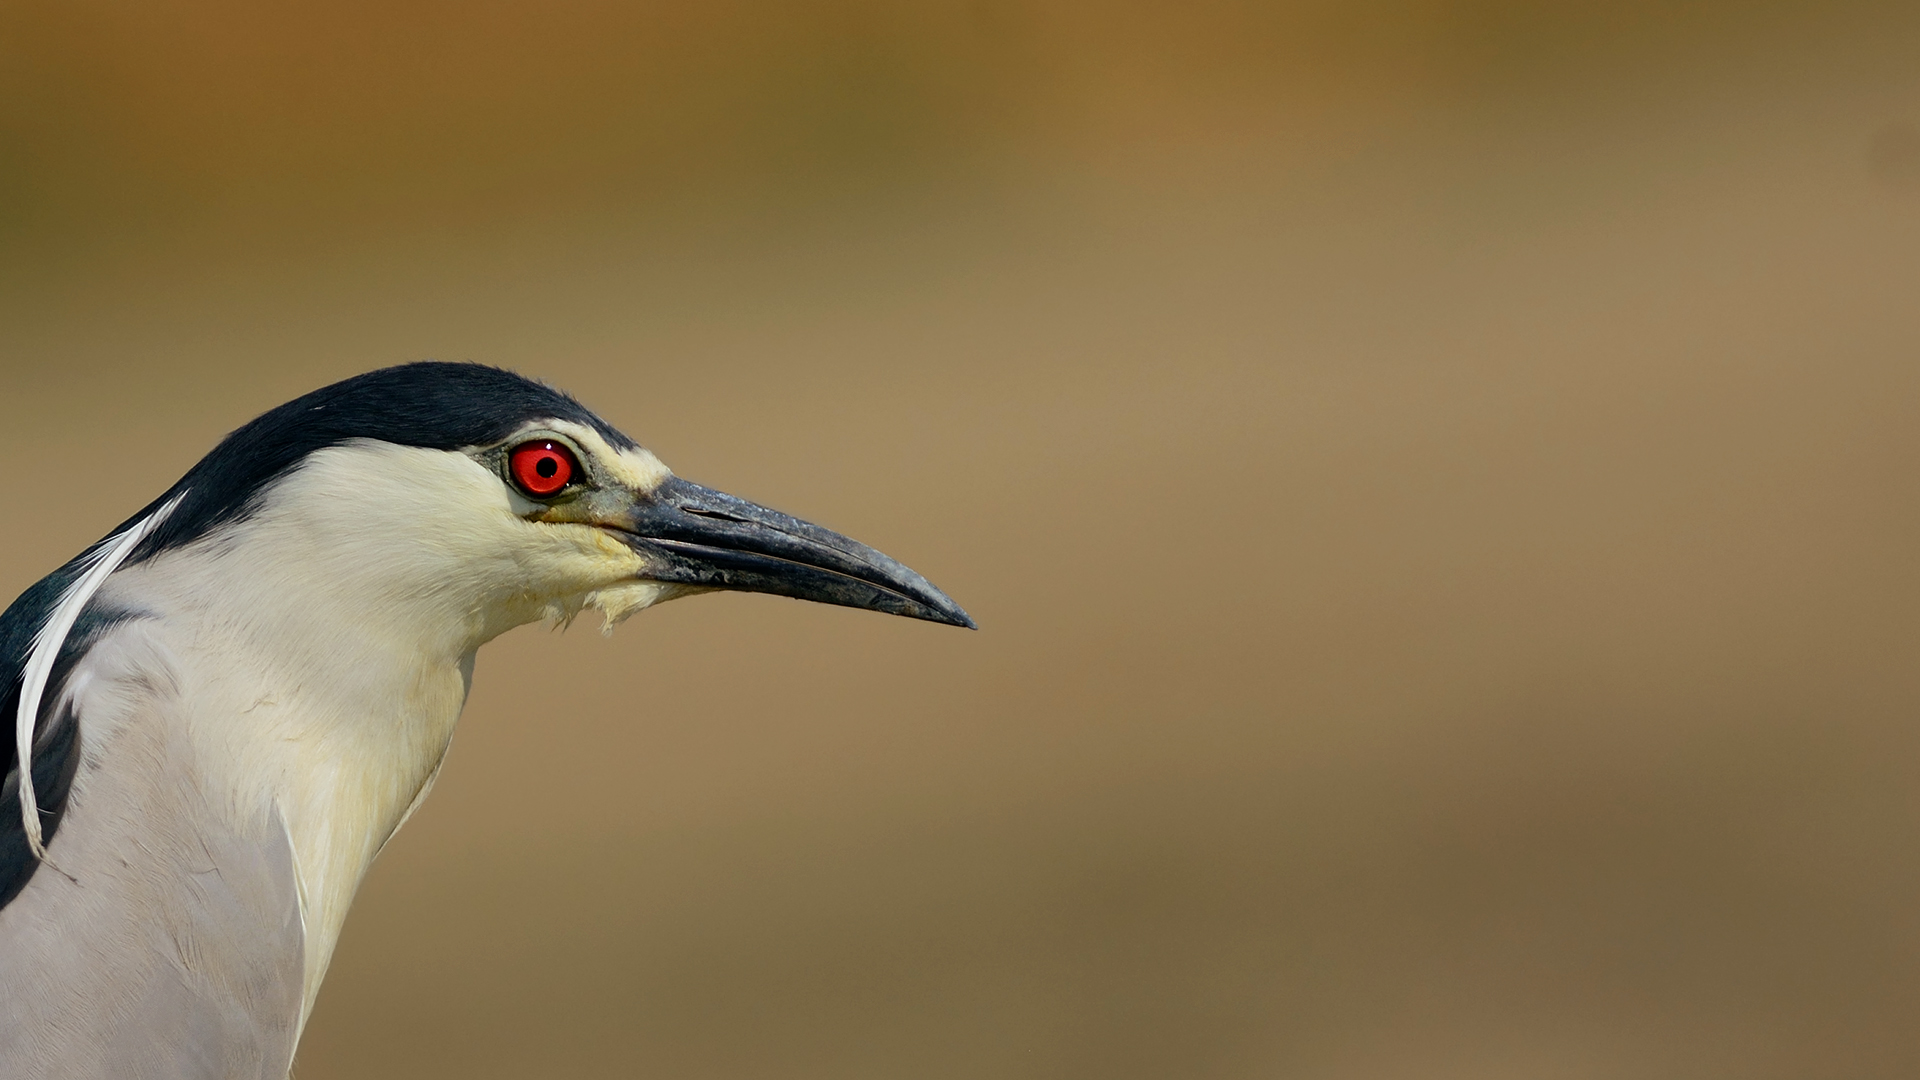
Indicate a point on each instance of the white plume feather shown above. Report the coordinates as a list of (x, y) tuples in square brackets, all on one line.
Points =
[(95, 568)]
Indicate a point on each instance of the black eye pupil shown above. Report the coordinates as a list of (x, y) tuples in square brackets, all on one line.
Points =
[(547, 467)]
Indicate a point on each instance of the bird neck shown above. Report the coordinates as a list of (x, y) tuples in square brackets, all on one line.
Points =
[(332, 716), (326, 644)]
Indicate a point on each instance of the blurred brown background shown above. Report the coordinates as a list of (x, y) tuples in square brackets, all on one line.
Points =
[(1438, 480)]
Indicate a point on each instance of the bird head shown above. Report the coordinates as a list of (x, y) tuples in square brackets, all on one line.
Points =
[(504, 499)]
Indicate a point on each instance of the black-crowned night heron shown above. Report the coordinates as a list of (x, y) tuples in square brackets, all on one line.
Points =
[(225, 708)]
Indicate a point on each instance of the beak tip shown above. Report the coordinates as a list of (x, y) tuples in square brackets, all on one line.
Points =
[(936, 606)]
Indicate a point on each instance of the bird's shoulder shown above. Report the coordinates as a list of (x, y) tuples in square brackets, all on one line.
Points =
[(57, 727), (162, 936)]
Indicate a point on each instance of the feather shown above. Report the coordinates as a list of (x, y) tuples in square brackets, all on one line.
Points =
[(95, 568)]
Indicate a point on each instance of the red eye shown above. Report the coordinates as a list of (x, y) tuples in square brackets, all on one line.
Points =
[(541, 468)]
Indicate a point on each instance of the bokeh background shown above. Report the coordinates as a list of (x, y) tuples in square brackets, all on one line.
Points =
[(1439, 482)]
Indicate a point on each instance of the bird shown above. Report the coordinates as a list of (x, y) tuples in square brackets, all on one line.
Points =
[(223, 710)]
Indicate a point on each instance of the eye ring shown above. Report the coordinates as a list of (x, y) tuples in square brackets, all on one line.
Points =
[(542, 468)]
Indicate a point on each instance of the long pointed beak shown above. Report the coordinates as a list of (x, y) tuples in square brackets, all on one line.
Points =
[(691, 535)]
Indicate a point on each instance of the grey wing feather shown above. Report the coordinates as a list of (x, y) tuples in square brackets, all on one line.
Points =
[(169, 945)]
